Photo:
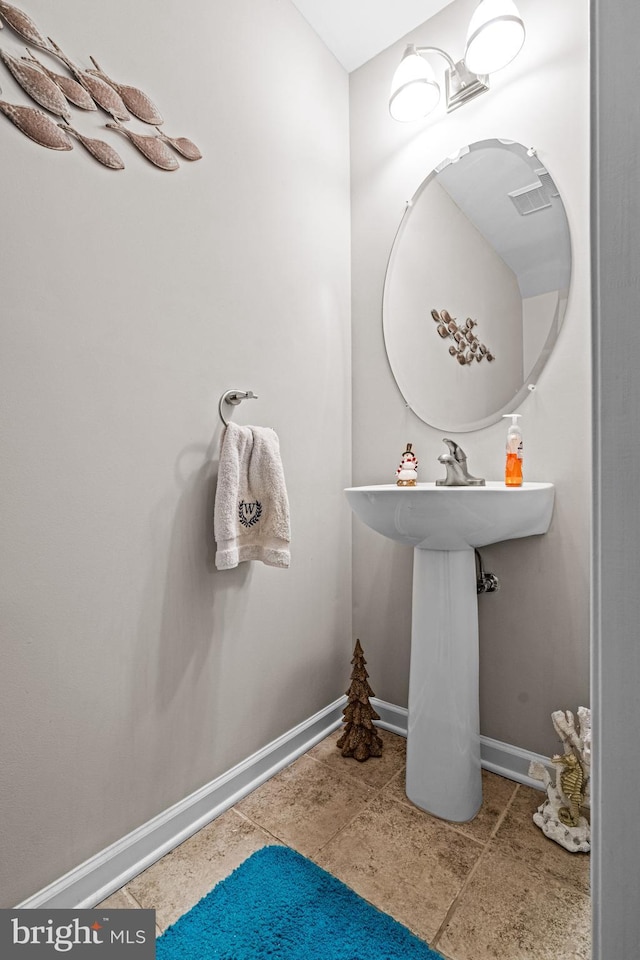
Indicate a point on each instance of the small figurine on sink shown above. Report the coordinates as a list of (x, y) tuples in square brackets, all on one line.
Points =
[(407, 472)]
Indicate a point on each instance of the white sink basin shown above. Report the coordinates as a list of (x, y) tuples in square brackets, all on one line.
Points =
[(443, 525), (454, 518)]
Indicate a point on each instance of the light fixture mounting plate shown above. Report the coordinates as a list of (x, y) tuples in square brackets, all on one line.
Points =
[(462, 86)]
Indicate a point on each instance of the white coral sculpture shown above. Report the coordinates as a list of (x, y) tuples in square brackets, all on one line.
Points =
[(560, 817)]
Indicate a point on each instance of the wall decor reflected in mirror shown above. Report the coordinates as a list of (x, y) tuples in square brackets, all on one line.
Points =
[(486, 235), (466, 346)]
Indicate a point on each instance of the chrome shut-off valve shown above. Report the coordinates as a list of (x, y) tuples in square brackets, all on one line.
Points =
[(485, 582)]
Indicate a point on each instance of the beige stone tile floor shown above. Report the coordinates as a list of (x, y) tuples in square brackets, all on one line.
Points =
[(492, 889)]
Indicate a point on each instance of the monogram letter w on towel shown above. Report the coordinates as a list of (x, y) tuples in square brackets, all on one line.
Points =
[(251, 514)]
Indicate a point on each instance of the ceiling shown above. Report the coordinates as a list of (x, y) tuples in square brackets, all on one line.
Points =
[(357, 30)]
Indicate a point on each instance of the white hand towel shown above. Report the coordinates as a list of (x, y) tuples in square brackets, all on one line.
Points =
[(251, 512)]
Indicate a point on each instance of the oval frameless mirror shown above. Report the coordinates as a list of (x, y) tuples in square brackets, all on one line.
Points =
[(476, 286)]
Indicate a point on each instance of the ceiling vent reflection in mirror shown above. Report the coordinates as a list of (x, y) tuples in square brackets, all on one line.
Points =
[(529, 199)]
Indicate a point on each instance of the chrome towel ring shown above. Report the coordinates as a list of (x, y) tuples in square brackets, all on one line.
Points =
[(234, 397)]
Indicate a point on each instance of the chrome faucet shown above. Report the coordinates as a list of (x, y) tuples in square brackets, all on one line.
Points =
[(456, 465)]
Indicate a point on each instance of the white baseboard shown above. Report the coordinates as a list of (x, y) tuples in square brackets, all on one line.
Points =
[(501, 758), (97, 878), (512, 762), (392, 718)]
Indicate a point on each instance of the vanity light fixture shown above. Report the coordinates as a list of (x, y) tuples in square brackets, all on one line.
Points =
[(494, 38)]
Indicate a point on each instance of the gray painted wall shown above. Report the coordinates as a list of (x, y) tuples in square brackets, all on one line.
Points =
[(132, 672), (534, 633), (616, 608), (123, 652)]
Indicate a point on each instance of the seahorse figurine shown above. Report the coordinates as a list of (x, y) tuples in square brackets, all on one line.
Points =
[(571, 782)]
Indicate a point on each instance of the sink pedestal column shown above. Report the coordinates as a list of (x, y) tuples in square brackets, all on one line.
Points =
[(443, 743)]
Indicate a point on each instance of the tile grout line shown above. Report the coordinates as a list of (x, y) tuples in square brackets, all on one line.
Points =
[(356, 779), (467, 880), (564, 882), (489, 846), (128, 893), (375, 791), (405, 802), (393, 800), (503, 815), (261, 827), (348, 823), (450, 824), (455, 902), (286, 843), (317, 850), (138, 906)]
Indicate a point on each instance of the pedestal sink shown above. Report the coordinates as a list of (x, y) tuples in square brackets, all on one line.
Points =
[(443, 525)]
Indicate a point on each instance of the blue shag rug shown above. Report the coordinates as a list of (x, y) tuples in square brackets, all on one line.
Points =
[(280, 905)]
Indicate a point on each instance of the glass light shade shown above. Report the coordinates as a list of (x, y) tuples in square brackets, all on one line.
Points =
[(495, 36), (414, 91)]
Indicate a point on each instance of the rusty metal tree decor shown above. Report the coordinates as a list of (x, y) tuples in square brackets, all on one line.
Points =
[(359, 738), (88, 89)]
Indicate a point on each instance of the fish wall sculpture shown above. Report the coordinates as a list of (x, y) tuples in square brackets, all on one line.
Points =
[(153, 148), (103, 152), (87, 89), (103, 94), (37, 85), (22, 24), (183, 145), (137, 102), (36, 125), (73, 91)]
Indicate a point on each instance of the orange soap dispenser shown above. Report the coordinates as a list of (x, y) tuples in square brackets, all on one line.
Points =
[(513, 465)]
